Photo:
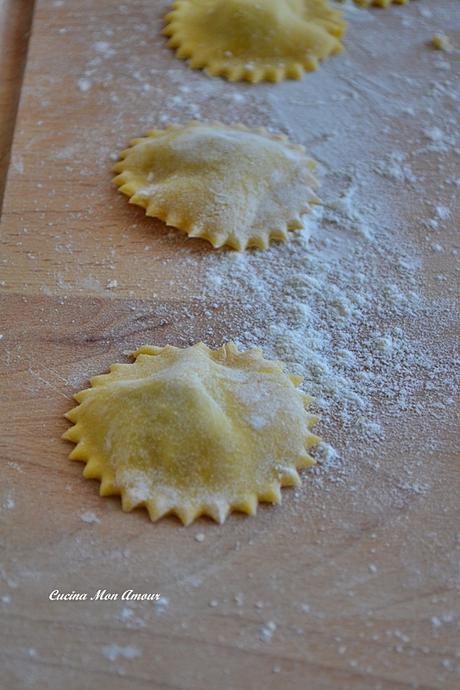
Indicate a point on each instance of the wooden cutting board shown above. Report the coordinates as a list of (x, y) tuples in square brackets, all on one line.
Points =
[(15, 22), (342, 591)]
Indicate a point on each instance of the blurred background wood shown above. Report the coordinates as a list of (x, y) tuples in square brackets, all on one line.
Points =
[(15, 22)]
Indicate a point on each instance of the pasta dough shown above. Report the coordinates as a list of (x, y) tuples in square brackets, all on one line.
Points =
[(254, 40), (193, 431), (228, 185)]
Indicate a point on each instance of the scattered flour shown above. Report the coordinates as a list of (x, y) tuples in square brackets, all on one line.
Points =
[(161, 605), (8, 502), (128, 617), (267, 631), (334, 323), (89, 517), (84, 84), (114, 651)]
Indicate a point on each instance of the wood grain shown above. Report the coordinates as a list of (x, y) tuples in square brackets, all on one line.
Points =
[(358, 570)]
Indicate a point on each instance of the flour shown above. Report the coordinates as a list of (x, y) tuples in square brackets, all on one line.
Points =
[(104, 48), (395, 167), (114, 651), (267, 631), (161, 605), (319, 315), (84, 84), (89, 517), (127, 616)]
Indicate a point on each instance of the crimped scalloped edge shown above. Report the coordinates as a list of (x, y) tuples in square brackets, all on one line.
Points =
[(253, 74), (158, 505), (124, 181)]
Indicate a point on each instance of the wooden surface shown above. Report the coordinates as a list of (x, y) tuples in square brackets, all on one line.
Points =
[(15, 21), (359, 574)]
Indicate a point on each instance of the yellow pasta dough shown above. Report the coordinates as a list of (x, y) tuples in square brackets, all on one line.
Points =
[(229, 185), (254, 40), (193, 431), (441, 42)]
